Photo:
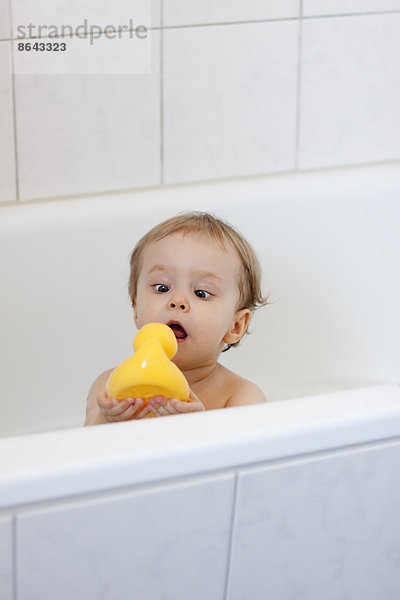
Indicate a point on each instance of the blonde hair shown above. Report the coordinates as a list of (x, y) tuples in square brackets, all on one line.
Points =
[(249, 284)]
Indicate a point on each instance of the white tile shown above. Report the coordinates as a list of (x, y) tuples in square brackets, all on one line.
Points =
[(76, 14), (7, 148), (88, 133), (196, 12), (343, 7), (350, 91), (229, 100), (6, 559), (170, 542), (327, 528), (4, 19)]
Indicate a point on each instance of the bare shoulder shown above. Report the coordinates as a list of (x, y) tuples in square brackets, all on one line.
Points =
[(98, 386), (242, 392)]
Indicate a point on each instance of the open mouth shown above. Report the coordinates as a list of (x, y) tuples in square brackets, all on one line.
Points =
[(178, 330)]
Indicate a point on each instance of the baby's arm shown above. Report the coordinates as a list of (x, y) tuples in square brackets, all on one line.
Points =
[(246, 393), (103, 409)]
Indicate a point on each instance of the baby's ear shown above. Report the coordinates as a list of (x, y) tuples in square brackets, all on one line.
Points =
[(134, 311), (240, 323)]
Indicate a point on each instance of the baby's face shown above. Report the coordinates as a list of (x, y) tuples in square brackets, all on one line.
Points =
[(191, 284)]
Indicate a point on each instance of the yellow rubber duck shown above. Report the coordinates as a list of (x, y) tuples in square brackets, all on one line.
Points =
[(150, 372)]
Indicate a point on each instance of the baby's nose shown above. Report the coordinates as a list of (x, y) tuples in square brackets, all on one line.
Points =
[(178, 302)]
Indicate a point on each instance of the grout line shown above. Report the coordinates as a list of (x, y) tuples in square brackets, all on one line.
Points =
[(17, 194), (161, 92), (230, 542), (354, 14), (299, 75), (248, 22), (224, 23), (125, 490), (279, 19)]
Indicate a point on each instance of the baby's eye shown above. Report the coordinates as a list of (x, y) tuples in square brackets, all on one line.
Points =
[(161, 288), (202, 293)]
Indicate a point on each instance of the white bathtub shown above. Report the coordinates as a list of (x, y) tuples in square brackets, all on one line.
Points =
[(293, 499)]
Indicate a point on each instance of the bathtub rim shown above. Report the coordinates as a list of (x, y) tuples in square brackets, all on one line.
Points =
[(62, 464)]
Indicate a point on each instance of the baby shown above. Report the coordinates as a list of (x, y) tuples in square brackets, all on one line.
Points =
[(199, 276)]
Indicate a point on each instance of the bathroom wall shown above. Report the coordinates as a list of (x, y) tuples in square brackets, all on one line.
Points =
[(234, 89)]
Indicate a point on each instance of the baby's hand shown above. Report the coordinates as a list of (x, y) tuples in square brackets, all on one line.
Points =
[(121, 410), (160, 406)]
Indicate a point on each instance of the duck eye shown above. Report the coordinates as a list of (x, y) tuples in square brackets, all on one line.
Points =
[(161, 288), (202, 294)]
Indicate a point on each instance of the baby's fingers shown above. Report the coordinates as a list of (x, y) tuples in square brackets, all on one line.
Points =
[(135, 410), (118, 410), (110, 405), (160, 407), (193, 405)]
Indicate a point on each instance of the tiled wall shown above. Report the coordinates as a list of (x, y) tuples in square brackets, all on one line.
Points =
[(235, 89), (321, 526)]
